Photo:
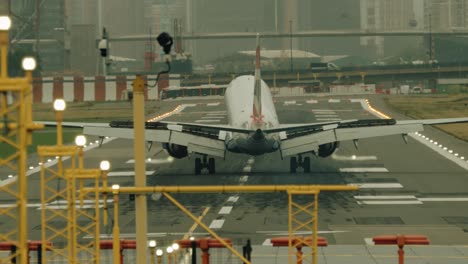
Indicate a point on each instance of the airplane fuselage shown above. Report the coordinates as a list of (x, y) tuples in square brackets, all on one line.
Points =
[(239, 100)]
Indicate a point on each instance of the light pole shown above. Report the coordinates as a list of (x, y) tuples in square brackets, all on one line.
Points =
[(175, 247), (104, 166), (193, 247), (159, 254), (80, 141), (169, 251), (59, 107), (152, 247), (115, 229)]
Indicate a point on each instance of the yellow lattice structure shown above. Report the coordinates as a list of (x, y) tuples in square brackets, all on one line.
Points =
[(57, 204), (16, 133), (303, 218), (86, 217)]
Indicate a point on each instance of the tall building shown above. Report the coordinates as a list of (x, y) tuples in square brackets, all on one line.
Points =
[(446, 14)]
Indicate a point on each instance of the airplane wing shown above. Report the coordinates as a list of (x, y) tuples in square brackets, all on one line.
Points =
[(204, 139), (308, 137)]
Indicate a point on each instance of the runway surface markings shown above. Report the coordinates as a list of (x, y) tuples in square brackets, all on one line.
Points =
[(325, 115), (195, 225), (334, 100), (369, 241), (289, 102), (311, 101), (353, 157), (208, 121), (363, 169), (378, 185), (155, 161), (384, 197), (126, 173), (232, 199), (213, 104), (216, 224), (328, 119), (211, 117), (225, 210), (441, 199), (389, 202)]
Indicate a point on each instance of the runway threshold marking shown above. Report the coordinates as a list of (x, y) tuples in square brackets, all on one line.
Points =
[(195, 225)]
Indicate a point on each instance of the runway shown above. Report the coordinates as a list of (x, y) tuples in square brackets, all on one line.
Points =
[(405, 188)]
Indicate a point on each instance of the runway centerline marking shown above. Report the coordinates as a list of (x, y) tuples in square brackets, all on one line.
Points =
[(225, 210), (378, 185), (216, 224)]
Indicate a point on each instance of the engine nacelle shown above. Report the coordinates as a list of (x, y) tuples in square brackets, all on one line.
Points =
[(326, 150), (176, 151)]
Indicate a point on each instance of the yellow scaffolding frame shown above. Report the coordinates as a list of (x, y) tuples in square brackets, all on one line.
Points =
[(52, 203), (16, 131), (303, 218), (295, 224), (91, 226)]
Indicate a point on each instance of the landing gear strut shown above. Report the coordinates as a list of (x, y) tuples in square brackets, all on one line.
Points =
[(204, 162), (299, 162)]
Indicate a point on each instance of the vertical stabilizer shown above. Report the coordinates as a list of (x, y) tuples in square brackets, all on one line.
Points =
[(257, 103)]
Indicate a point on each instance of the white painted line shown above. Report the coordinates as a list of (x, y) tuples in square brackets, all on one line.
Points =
[(454, 199), (211, 117), (378, 185), (328, 119), (207, 121), (328, 111), (363, 170), (225, 210), (250, 161), (155, 161), (289, 102), (233, 199), (334, 101), (353, 157), (247, 168), (285, 233), (216, 114), (217, 224), (213, 104), (356, 100), (162, 234), (389, 202), (311, 101), (244, 178), (325, 115), (126, 173), (63, 207), (384, 197), (267, 242), (369, 241)]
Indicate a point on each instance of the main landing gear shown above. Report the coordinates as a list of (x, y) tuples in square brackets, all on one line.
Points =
[(204, 162), (299, 162)]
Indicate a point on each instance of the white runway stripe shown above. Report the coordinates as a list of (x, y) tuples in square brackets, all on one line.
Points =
[(353, 157), (225, 210), (378, 185), (216, 114), (334, 100), (289, 102), (126, 173), (233, 199), (207, 121), (389, 202), (384, 197), (328, 119), (454, 199), (155, 161), (213, 104), (267, 242), (212, 117), (325, 115), (363, 170), (323, 111), (311, 101), (217, 224)]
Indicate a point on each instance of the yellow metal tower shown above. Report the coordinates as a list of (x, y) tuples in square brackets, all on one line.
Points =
[(16, 128)]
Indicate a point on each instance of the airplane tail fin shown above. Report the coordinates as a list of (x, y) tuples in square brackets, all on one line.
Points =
[(257, 104)]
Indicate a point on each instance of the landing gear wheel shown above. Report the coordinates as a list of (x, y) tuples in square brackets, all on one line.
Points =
[(211, 166), (306, 164), (293, 164), (198, 166)]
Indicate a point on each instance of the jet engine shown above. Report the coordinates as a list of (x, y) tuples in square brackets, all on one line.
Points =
[(176, 151), (326, 150)]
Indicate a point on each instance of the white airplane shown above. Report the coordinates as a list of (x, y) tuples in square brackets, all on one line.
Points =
[(253, 129)]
